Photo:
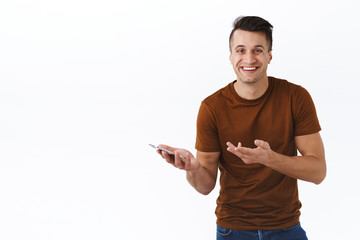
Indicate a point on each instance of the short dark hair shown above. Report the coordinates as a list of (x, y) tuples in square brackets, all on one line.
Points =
[(253, 24)]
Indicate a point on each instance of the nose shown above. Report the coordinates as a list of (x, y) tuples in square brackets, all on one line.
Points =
[(249, 58)]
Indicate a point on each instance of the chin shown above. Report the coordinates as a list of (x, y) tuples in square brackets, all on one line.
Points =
[(248, 81)]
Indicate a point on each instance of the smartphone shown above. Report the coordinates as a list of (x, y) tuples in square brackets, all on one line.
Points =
[(163, 149)]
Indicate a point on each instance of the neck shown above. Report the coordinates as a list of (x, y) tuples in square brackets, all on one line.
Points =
[(251, 91)]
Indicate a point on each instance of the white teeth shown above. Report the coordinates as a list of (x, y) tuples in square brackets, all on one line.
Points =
[(249, 68)]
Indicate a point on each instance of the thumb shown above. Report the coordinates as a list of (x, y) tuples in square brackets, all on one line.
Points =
[(166, 147), (261, 144)]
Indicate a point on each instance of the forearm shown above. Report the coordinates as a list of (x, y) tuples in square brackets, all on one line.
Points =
[(311, 166), (308, 168), (202, 180)]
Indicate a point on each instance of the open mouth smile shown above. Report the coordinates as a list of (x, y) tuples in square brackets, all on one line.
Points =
[(249, 69)]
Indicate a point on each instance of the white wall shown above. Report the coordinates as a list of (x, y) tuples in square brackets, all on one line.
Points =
[(86, 85)]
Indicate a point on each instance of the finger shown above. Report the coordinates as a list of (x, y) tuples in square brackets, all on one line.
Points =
[(231, 147), (246, 151), (159, 152), (167, 157), (178, 163), (229, 144), (170, 150), (187, 162)]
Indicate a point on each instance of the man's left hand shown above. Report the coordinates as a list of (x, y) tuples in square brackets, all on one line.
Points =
[(262, 154)]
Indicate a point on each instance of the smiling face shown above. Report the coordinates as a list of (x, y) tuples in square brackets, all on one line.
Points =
[(250, 56)]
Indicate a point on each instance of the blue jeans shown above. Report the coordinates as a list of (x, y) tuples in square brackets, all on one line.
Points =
[(292, 233)]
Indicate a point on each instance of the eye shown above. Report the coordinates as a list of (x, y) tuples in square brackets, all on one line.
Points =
[(258, 51), (241, 51)]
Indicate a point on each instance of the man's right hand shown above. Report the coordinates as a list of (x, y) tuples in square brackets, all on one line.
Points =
[(190, 163), (201, 172)]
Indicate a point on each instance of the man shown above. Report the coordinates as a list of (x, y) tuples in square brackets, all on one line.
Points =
[(251, 130)]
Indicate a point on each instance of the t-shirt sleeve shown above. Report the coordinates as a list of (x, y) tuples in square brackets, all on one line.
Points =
[(207, 137), (305, 117)]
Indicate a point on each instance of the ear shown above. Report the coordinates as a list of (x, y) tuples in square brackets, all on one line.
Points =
[(270, 56)]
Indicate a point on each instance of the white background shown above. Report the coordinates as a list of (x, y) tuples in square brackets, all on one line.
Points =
[(86, 85)]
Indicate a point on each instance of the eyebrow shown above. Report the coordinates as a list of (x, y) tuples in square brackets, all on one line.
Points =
[(261, 46)]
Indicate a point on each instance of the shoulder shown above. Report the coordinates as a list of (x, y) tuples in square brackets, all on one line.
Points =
[(288, 88)]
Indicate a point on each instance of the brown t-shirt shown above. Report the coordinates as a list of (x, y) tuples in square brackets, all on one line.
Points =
[(254, 196)]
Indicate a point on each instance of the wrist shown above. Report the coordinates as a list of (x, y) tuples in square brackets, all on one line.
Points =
[(194, 169), (272, 158)]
